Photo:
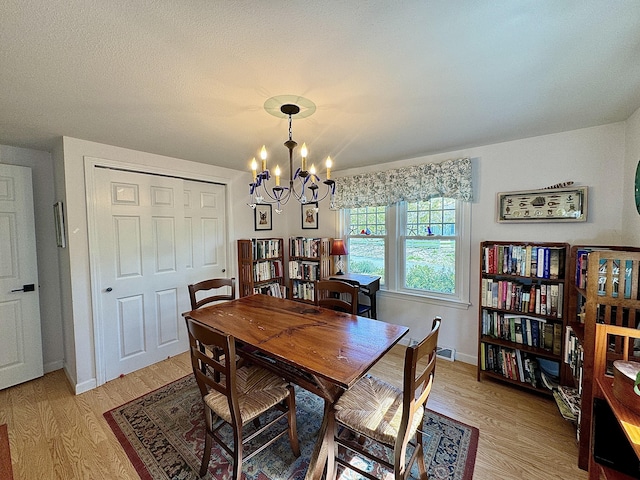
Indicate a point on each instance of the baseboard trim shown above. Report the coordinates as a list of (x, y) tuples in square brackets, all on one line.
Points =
[(470, 359), (79, 388), (53, 366)]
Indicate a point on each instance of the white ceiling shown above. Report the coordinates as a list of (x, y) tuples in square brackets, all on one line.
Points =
[(390, 79)]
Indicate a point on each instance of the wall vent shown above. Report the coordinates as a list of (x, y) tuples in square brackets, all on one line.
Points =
[(446, 353)]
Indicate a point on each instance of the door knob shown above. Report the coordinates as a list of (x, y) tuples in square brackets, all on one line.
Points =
[(224, 270), (25, 288), (108, 289)]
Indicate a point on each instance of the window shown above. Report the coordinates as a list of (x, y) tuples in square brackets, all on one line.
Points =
[(367, 233), (425, 244)]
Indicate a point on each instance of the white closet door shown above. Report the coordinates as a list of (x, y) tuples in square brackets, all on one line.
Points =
[(156, 235)]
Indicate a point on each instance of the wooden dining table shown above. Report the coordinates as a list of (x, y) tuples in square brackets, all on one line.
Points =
[(321, 350)]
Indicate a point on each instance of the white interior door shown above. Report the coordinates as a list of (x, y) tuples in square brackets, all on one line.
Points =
[(20, 334), (205, 227), (155, 236)]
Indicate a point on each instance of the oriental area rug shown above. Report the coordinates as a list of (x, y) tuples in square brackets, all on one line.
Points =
[(163, 435)]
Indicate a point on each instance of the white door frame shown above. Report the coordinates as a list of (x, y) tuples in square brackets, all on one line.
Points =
[(90, 163)]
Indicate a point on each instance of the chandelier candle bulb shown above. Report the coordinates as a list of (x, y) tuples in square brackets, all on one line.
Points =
[(277, 172), (254, 167), (329, 164), (303, 154), (263, 156)]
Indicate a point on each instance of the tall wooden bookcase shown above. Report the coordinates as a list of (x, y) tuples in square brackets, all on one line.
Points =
[(309, 261), (522, 313), (603, 290), (261, 266)]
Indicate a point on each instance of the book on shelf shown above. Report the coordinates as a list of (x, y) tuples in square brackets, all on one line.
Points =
[(524, 330), (266, 248), (273, 289), (520, 297), (303, 290), (582, 266), (266, 270), (574, 355), (548, 381), (516, 365), (524, 260), (548, 336), (615, 277), (304, 247), (304, 270)]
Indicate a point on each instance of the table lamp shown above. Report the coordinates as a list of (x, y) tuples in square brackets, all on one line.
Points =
[(338, 248)]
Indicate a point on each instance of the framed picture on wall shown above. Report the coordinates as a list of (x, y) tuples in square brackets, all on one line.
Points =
[(309, 215), (548, 205), (262, 217)]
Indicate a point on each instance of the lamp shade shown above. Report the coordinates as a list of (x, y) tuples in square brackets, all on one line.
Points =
[(338, 247)]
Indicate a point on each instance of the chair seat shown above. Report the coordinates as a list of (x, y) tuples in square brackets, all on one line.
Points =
[(373, 408), (258, 390)]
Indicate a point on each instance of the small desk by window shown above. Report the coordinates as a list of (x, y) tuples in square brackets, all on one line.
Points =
[(369, 286)]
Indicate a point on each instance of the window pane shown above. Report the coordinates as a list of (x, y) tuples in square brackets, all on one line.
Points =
[(436, 216), (431, 265), (366, 255), (367, 221)]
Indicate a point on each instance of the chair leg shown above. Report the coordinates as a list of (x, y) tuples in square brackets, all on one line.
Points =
[(206, 456), (293, 428), (332, 465), (237, 452), (420, 458)]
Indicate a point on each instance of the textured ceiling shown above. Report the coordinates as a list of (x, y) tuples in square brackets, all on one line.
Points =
[(391, 80)]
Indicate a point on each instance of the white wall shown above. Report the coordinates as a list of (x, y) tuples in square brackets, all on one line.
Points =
[(43, 197), (593, 157), (76, 280), (631, 224)]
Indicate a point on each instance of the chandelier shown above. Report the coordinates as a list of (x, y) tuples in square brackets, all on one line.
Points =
[(304, 184)]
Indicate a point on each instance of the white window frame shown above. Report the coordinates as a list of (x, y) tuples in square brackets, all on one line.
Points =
[(394, 256)]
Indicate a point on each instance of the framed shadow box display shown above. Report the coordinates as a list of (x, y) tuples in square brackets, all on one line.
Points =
[(552, 205)]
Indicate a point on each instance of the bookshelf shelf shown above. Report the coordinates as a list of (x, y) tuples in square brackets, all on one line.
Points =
[(522, 313), (309, 261), (261, 267)]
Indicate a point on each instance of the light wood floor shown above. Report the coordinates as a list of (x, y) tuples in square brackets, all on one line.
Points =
[(56, 435)]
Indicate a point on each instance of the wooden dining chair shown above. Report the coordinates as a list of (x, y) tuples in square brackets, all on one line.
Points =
[(229, 292), (236, 395), (364, 309), (337, 295), (386, 415)]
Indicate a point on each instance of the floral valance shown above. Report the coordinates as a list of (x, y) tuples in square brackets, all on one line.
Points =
[(451, 179)]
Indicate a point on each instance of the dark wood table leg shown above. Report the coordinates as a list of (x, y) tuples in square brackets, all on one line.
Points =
[(374, 311)]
